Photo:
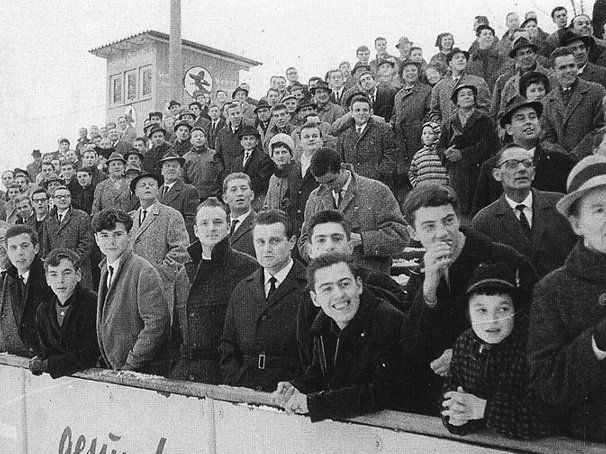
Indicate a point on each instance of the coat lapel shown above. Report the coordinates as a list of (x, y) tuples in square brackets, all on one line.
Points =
[(284, 289), (65, 220), (508, 220), (538, 220), (245, 227), (578, 93), (173, 193), (152, 215)]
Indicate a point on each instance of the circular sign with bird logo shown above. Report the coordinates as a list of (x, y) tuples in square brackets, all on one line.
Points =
[(198, 80)]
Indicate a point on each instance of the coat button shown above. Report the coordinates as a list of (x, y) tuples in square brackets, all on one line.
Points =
[(31, 350), (264, 318), (191, 314), (194, 345)]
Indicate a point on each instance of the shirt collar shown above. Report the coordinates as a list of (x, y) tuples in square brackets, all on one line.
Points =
[(25, 276), (280, 275), (240, 219), (169, 185), (115, 264), (527, 202)]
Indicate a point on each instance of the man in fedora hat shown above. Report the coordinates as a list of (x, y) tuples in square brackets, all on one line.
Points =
[(521, 121), (327, 111), (113, 192), (524, 53), (442, 106), (573, 111), (580, 46), (159, 234), (241, 95), (263, 113), (567, 333), (174, 107), (200, 112), (174, 193), (33, 168), (254, 162)]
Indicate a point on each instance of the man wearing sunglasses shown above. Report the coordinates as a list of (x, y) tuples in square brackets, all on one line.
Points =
[(525, 218)]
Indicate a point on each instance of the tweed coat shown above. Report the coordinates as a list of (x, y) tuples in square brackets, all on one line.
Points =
[(574, 125), (112, 194), (477, 141), (552, 237), (512, 87), (256, 326), (564, 370), (372, 154), (442, 108), (202, 291), (184, 198), (372, 211), (133, 320), (72, 346), (161, 240), (242, 239), (18, 310), (75, 233), (594, 73), (410, 111)]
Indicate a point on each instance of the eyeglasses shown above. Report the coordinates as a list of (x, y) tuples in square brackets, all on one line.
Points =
[(39, 200), (513, 164), (61, 196)]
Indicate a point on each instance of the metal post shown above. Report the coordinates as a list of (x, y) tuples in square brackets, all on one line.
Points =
[(175, 59)]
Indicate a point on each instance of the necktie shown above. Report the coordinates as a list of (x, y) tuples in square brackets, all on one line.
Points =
[(143, 214), (23, 284), (360, 129), (246, 158), (59, 217), (232, 229), (272, 286), (567, 93), (338, 198), (110, 275), (523, 218), (165, 191)]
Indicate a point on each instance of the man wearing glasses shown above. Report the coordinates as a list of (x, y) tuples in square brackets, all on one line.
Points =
[(69, 228), (40, 205), (525, 218)]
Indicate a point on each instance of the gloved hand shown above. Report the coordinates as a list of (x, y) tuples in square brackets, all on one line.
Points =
[(599, 334), (37, 365)]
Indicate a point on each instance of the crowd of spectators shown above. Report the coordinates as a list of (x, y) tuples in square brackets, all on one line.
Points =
[(250, 242)]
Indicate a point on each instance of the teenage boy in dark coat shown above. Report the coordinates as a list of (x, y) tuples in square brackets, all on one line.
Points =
[(65, 320)]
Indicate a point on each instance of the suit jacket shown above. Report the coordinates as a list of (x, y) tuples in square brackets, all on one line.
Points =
[(184, 198), (18, 310), (162, 241), (73, 233), (383, 105), (133, 321), (552, 238), (594, 73), (259, 168), (372, 211), (72, 346), (255, 326), (299, 189), (112, 194), (242, 239), (574, 125), (211, 133)]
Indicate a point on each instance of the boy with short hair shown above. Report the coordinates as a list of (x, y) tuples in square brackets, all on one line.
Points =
[(65, 319), (488, 382)]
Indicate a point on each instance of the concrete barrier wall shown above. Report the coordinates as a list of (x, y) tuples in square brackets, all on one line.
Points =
[(103, 412)]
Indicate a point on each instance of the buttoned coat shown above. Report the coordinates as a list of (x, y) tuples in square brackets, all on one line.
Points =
[(410, 110), (133, 320), (74, 233), (161, 240), (299, 188), (477, 141), (372, 211), (372, 153), (203, 171), (113, 194), (242, 239), (574, 125), (184, 198), (552, 238), (255, 326), (202, 291)]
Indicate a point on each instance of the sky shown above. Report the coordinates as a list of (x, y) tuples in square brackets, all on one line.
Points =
[(51, 84)]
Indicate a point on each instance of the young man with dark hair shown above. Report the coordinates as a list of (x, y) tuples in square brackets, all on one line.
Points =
[(238, 195), (202, 290), (379, 229), (357, 357), (133, 320), (259, 346), (23, 287), (65, 319), (437, 316)]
